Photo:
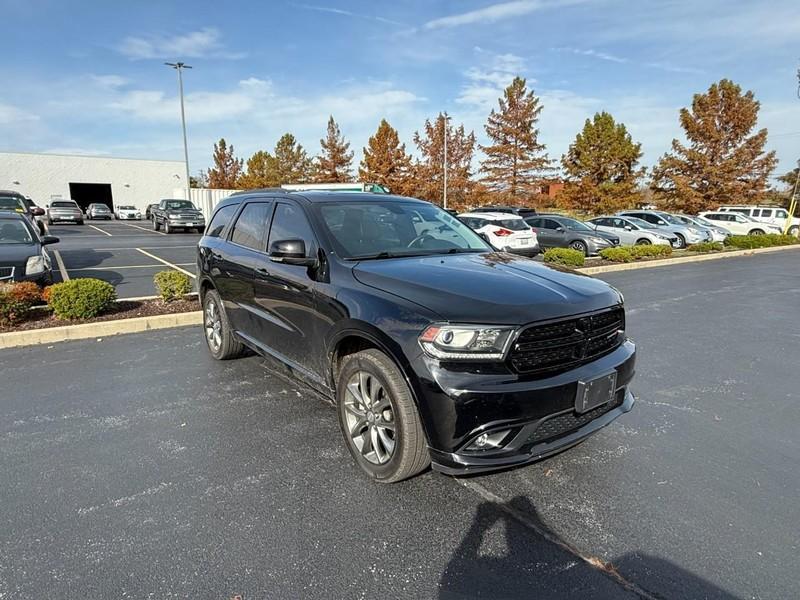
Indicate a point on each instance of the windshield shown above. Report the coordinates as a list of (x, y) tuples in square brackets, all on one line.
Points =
[(671, 219), (15, 232), (575, 225), (63, 205), (512, 224), (127, 208), (704, 221), (11, 203), (378, 229), (641, 223), (173, 204)]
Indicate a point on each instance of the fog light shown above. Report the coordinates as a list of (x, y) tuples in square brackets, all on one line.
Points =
[(489, 441)]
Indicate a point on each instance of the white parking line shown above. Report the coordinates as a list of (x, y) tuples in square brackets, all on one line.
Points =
[(143, 228), (169, 264), (100, 230), (107, 268), (61, 267)]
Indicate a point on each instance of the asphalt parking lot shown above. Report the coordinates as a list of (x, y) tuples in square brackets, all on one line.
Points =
[(125, 253), (137, 466)]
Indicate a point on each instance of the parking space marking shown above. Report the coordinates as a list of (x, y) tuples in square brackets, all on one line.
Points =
[(169, 264), (143, 228), (61, 267), (100, 230), (102, 268)]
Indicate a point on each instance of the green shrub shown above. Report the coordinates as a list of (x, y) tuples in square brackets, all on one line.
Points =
[(16, 299), (706, 247), (620, 254), (650, 251), (81, 298), (172, 285), (748, 242), (564, 256)]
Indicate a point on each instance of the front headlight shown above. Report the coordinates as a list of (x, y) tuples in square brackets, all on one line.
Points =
[(35, 264), (466, 342)]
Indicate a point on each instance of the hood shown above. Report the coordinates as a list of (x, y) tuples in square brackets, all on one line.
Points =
[(188, 211), (495, 288), (17, 254)]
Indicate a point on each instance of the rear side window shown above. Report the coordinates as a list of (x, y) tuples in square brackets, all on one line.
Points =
[(513, 224), (765, 212), (221, 218), (290, 223), (250, 228)]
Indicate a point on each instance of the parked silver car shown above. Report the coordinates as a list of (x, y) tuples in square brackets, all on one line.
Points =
[(718, 234), (64, 210), (99, 211), (686, 234), (632, 231)]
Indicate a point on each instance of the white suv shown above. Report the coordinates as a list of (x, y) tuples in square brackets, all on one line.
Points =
[(738, 223), (504, 231), (766, 214)]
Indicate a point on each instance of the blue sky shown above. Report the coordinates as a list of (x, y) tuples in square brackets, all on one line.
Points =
[(87, 77)]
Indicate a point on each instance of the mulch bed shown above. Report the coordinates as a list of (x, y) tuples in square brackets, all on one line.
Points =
[(41, 317)]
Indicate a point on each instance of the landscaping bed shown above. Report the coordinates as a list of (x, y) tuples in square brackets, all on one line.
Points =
[(41, 317)]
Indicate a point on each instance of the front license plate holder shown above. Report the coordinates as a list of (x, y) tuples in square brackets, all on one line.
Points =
[(595, 392)]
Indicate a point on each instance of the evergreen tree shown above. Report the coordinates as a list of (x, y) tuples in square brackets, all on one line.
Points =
[(335, 161), (601, 166), (723, 162), (429, 171), (291, 162), (515, 162), (227, 168), (385, 161), (261, 172)]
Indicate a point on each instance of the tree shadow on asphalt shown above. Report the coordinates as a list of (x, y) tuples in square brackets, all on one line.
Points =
[(523, 564)]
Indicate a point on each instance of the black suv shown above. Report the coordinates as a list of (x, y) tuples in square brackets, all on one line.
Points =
[(434, 348)]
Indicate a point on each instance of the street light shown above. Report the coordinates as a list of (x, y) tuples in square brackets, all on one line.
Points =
[(179, 66), (446, 121)]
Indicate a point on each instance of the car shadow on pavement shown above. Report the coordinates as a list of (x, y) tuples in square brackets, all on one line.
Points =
[(501, 557)]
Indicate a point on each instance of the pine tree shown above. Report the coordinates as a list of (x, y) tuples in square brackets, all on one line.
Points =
[(291, 161), (334, 163), (429, 171), (227, 168), (516, 162), (601, 166), (723, 162), (261, 172), (385, 161)]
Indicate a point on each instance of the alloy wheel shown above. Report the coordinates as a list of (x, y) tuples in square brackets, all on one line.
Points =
[(213, 324), (370, 418)]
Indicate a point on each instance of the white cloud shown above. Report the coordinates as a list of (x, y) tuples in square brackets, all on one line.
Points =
[(593, 54), (496, 12), (348, 13), (203, 43), (109, 81), (12, 115)]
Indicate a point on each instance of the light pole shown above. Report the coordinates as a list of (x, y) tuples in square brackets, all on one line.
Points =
[(446, 119), (179, 66)]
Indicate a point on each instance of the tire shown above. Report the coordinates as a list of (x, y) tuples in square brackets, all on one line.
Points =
[(396, 454), (50, 222), (79, 223), (167, 228), (219, 338), (643, 242), (156, 226), (793, 230), (756, 232), (580, 246), (681, 241)]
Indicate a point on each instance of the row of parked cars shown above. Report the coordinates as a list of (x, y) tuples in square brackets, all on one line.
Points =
[(524, 231), (22, 240)]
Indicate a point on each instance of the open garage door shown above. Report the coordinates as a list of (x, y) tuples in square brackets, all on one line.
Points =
[(91, 193)]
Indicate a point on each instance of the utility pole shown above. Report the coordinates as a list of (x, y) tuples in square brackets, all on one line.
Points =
[(179, 66), (446, 123)]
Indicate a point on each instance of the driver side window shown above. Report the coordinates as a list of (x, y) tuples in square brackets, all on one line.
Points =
[(291, 223)]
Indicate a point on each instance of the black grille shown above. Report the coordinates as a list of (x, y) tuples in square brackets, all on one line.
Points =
[(565, 423), (568, 343), (6, 272)]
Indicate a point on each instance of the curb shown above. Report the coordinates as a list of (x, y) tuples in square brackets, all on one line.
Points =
[(649, 264), (50, 335)]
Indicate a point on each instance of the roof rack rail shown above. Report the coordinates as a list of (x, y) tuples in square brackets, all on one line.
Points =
[(268, 189)]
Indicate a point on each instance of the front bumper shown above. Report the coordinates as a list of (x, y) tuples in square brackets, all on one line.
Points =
[(594, 247), (458, 407), (187, 223), (16, 273), (129, 217)]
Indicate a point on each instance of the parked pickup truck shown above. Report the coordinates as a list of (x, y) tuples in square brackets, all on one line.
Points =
[(177, 214)]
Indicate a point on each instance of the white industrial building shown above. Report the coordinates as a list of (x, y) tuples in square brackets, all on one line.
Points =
[(87, 179)]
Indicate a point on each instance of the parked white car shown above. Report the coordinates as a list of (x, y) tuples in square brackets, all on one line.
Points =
[(738, 224), (632, 231), (504, 231), (128, 212), (772, 215)]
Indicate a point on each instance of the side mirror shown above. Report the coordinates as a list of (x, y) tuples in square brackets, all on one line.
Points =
[(290, 252), (560, 229), (37, 212), (49, 239), (628, 228), (662, 222)]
